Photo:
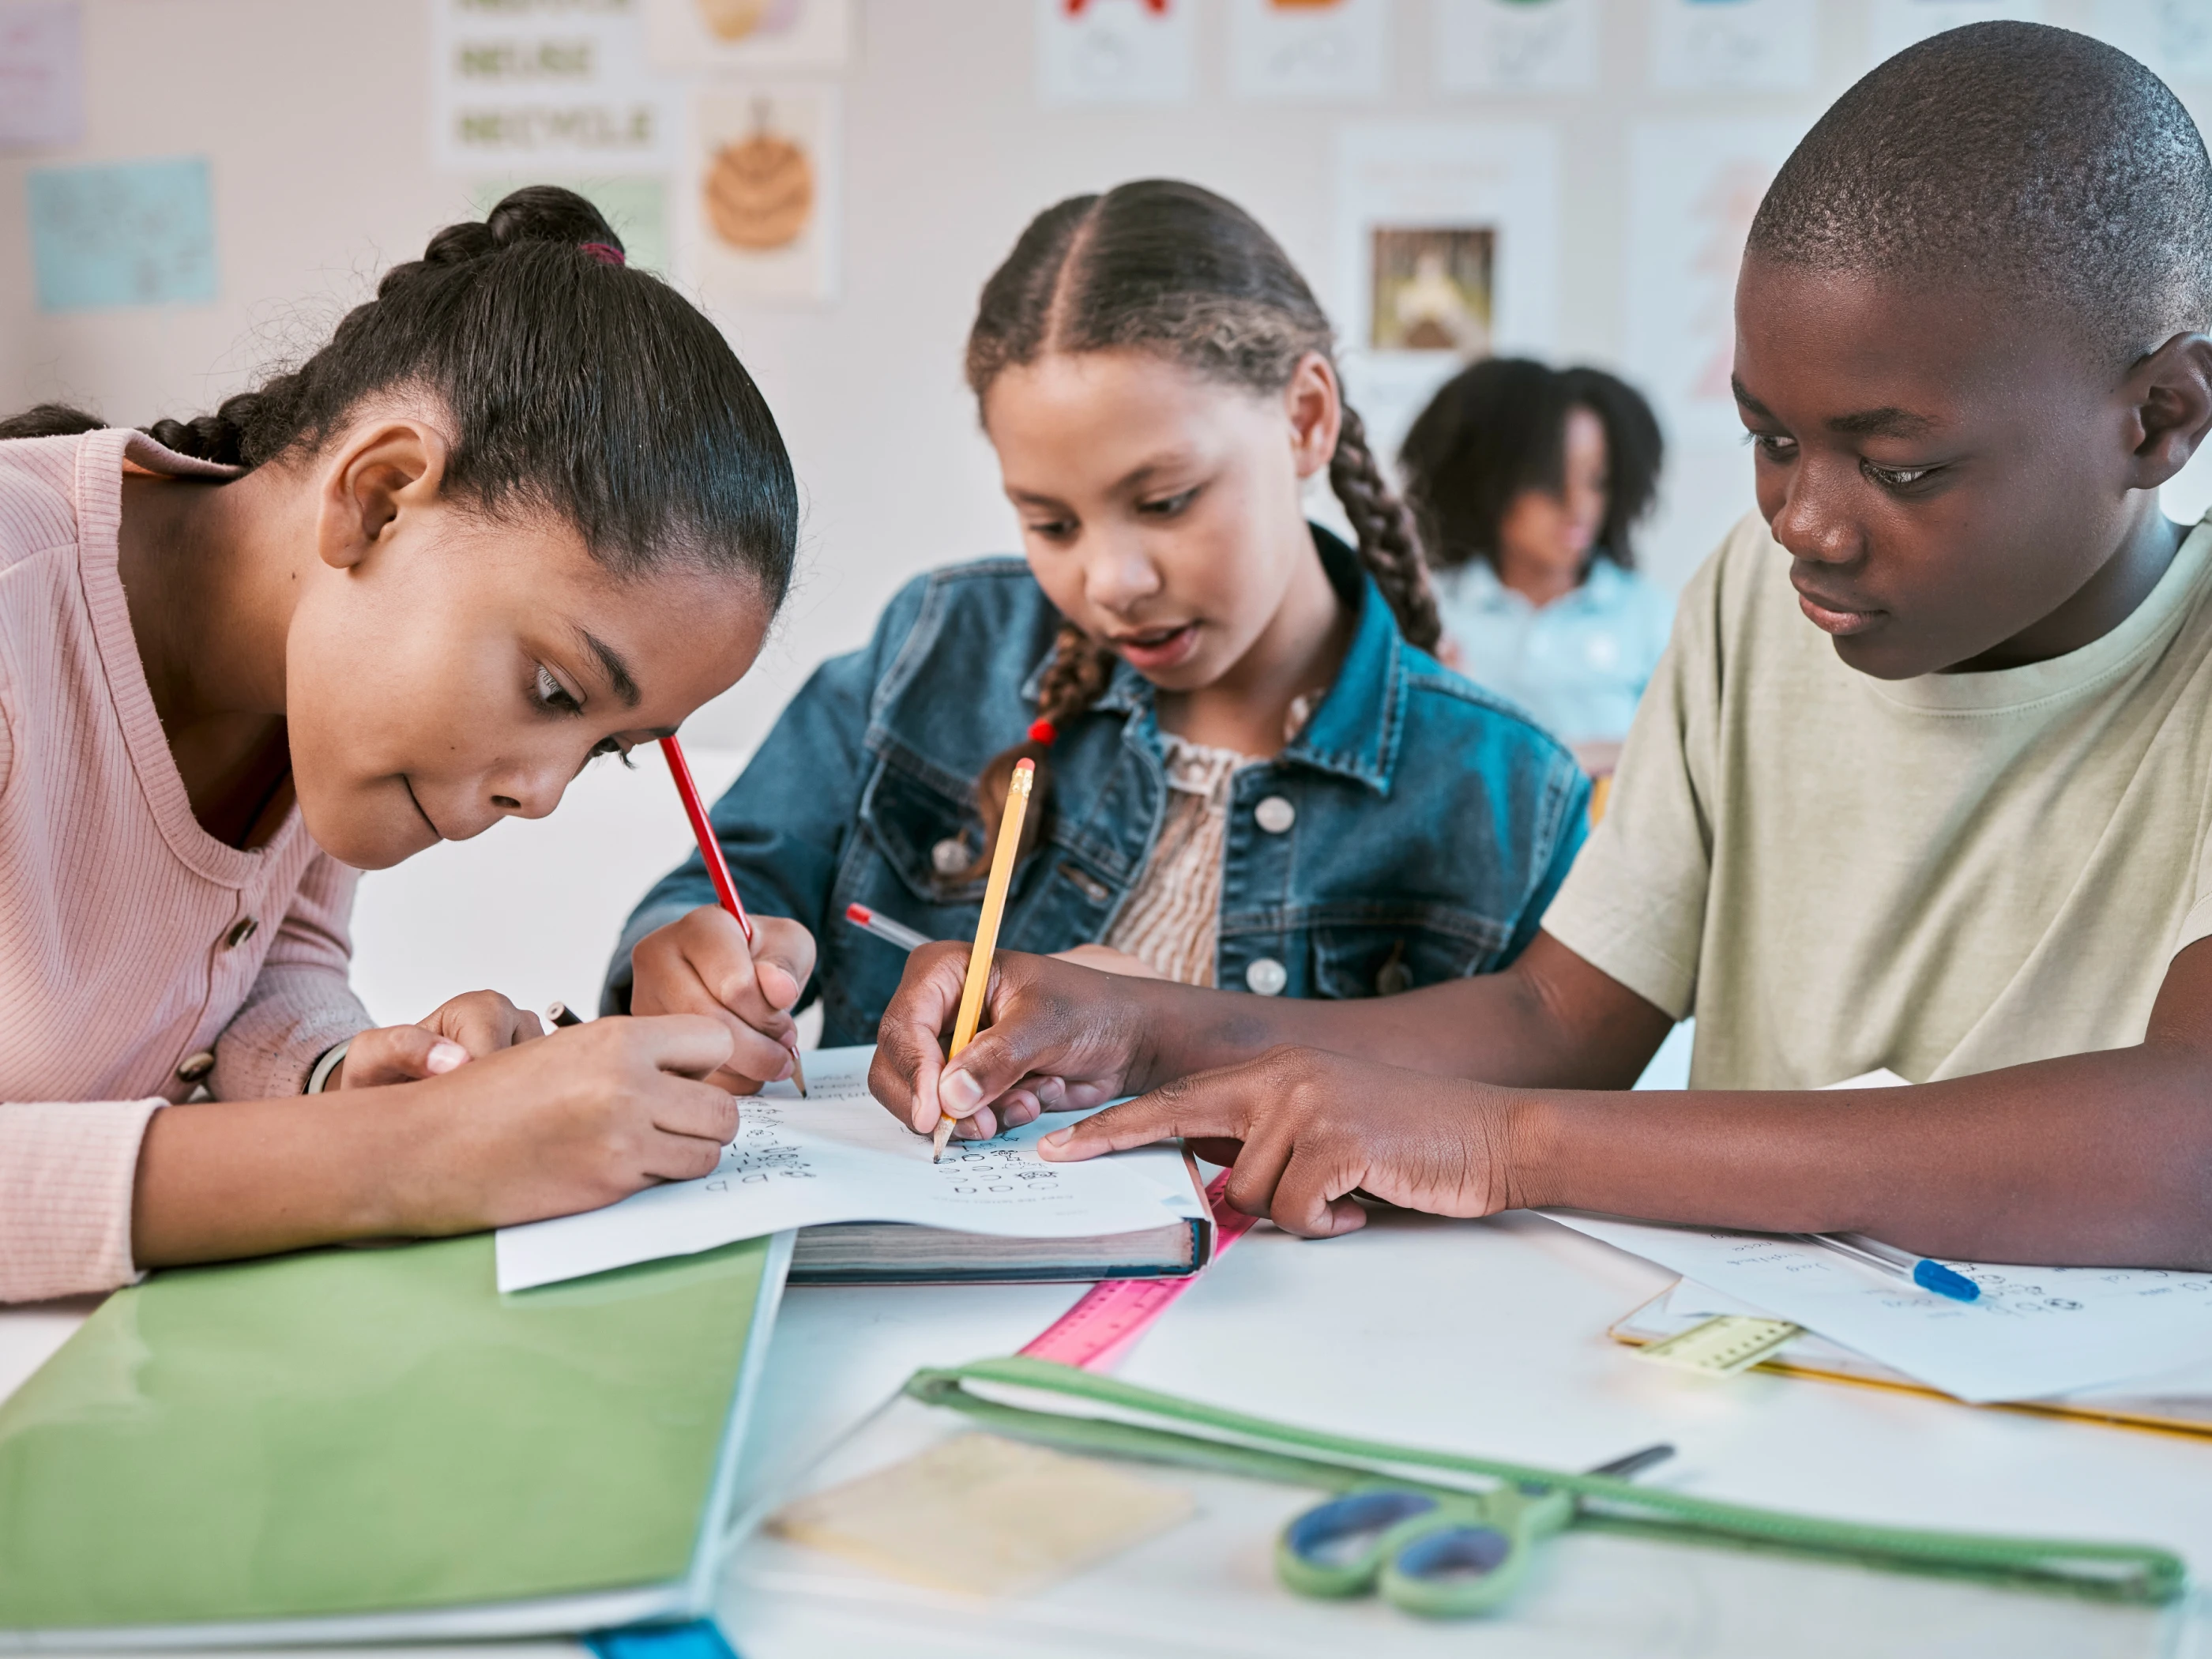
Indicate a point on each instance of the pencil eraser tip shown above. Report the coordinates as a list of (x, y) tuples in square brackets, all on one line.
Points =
[(1025, 765)]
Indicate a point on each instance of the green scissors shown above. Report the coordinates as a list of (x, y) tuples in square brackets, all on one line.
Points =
[(1443, 1554)]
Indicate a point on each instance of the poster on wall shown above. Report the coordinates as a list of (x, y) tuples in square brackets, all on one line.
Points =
[(764, 195), (1744, 45), (1447, 250), (546, 84), (2174, 37), (747, 37), (1516, 46), (1309, 49), (1893, 25), (41, 74), (128, 233), (1114, 51), (1694, 188)]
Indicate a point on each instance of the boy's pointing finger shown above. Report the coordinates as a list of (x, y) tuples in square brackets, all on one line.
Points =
[(1211, 1106)]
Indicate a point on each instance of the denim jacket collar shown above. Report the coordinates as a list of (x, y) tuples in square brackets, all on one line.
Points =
[(1356, 731)]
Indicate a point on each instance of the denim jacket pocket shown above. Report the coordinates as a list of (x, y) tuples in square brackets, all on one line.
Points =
[(926, 836), (1390, 954)]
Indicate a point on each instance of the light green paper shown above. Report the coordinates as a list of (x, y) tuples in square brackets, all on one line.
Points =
[(361, 1431)]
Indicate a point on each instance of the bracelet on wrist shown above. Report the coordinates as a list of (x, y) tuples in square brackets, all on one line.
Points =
[(320, 1077)]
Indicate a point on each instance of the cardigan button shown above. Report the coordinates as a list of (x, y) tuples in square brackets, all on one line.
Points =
[(240, 931), (1274, 815), (195, 1066), (949, 856), (1265, 977)]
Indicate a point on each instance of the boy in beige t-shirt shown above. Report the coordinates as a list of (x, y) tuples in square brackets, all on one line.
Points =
[(1922, 782)]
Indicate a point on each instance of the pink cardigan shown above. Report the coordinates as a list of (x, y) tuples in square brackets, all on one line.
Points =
[(131, 940)]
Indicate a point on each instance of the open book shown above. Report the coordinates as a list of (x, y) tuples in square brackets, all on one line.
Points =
[(876, 1211)]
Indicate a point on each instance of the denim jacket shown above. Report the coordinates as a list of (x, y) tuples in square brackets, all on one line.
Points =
[(1414, 832)]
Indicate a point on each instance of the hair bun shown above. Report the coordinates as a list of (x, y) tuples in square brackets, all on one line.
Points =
[(536, 213)]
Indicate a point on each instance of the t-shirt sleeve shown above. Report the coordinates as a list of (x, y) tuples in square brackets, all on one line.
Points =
[(1634, 904), (2197, 924)]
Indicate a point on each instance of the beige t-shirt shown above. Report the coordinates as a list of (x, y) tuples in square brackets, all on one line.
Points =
[(1941, 876)]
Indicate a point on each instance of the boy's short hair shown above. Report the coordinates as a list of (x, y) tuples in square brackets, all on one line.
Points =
[(2032, 158)]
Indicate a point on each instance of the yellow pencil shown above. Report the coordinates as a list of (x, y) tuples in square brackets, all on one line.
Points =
[(986, 931)]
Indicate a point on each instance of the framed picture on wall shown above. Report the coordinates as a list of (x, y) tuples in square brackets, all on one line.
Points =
[(745, 37), (763, 197), (1447, 250), (1430, 290)]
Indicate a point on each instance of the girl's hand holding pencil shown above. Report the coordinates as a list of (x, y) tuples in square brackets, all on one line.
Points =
[(701, 963)]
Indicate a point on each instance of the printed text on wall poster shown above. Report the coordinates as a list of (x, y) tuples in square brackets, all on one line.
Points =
[(546, 83)]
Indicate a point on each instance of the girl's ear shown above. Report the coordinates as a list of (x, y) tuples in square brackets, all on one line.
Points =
[(1315, 408), (380, 469)]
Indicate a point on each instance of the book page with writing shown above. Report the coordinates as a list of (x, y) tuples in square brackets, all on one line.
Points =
[(839, 1155)]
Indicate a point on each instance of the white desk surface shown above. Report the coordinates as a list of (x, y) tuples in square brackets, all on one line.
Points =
[(1484, 1336), (1488, 1336)]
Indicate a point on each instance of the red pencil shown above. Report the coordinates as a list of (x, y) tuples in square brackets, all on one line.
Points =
[(717, 870)]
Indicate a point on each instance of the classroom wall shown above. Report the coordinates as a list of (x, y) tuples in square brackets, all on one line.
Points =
[(315, 116)]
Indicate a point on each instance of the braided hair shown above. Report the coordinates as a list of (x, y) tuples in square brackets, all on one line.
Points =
[(574, 385), (1163, 266)]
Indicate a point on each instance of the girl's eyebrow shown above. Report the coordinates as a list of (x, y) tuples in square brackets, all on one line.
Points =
[(613, 665)]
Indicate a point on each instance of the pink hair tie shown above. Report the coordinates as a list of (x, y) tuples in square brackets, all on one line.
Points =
[(605, 253)]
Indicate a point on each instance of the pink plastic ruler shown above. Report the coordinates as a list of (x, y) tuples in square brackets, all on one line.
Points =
[(1106, 1322)]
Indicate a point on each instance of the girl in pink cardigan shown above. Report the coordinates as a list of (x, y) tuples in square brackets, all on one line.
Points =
[(526, 507)]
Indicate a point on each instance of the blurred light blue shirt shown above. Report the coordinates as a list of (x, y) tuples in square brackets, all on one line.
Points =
[(1578, 664)]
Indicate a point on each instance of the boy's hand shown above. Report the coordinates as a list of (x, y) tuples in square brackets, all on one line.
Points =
[(1108, 960), (1304, 1127), (585, 1116), (1055, 1036), (467, 1028), (701, 965)]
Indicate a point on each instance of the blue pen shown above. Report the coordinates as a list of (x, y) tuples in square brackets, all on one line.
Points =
[(1897, 1264)]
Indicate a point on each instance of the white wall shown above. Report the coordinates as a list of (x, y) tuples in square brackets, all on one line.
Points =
[(315, 115)]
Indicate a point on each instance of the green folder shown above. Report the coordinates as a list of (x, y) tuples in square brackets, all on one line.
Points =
[(374, 1444)]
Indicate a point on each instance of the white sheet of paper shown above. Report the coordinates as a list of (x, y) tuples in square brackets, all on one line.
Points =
[(1691, 1300), (2036, 1331), (838, 1156)]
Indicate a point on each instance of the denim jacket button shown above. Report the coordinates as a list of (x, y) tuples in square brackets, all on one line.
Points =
[(1265, 977), (949, 856), (1275, 815)]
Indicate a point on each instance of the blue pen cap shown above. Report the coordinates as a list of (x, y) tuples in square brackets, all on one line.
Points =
[(1935, 1276)]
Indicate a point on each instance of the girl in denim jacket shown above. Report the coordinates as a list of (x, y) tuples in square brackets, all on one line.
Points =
[(1251, 772)]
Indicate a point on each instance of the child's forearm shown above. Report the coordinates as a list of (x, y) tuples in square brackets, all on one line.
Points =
[(2102, 1159), (570, 1123), (1551, 1018), (236, 1178)]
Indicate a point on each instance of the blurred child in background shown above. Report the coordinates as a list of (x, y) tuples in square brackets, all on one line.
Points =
[(1526, 481)]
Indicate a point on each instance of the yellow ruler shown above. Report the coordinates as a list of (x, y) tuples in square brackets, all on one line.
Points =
[(1722, 1344)]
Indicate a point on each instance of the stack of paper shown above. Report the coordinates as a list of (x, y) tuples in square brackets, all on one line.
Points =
[(2036, 1331)]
